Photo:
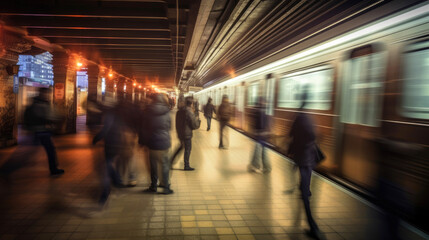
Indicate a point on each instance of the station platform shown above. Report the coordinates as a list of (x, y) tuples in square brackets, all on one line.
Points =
[(219, 200)]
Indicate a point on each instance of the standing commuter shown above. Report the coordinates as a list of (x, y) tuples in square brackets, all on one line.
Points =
[(224, 113), (39, 118), (186, 122), (209, 109), (197, 108), (261, 129), (159, 142), (303, 151)]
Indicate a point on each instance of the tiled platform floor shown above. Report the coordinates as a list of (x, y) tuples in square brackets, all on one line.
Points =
[(220, 200)]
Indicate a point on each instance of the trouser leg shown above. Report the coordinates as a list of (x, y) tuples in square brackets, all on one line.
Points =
[(255, 157), (153, 168), (220, 134), (178, 150), (46, 141), (305, 193), (111, 170), (209, 121), (265, 161), (165, 168), (188, 147)]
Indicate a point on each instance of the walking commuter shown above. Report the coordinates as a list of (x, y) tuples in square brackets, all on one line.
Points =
[(114, 144), (224, 113), (261, 130), (196, 108), (303, 151), (186, 122), (39, 118), (209, 109), (159, 142)]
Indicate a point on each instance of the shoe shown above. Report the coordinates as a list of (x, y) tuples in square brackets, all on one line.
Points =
[(132, 184), (315, 234), (150, 190), (266, 170), (189, 169), (167, 191), (119, 185), (57, 172), (289, 191), (252, 168)]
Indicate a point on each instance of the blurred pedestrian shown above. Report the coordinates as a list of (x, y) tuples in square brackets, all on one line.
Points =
[(209, 109), (39, 118), (196, 108), (113, 133), (159, 142), (261, 130), (186, 122), (303, 150), (224, 113)]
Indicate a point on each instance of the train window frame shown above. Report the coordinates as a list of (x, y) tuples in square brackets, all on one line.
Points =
[(295, 102), (252, 100), (363, 112), (414, 112)]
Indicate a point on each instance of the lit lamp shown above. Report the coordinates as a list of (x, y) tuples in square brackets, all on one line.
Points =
[(79, 64), (110, 75)]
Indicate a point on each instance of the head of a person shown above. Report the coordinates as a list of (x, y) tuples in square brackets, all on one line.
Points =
[(189, 101), (304, 96), (224, 98), (260, 102), (44, 94), (210, 100), (160, 98)]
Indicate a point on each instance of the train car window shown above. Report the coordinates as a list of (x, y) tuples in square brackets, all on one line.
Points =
[(252, 94), (362, 87), (415, 98), (319, 84), (270, 95)]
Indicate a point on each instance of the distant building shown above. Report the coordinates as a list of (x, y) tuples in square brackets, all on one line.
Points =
[(36, 70)]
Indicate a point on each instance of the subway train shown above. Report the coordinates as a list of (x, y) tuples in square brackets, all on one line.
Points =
[(367, 80)]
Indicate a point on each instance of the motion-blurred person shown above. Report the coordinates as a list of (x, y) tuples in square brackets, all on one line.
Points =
[(186, 121), (261, 130), (196, 108), (224, 113), (39, 118), (114, 143), (303, 150), (209, 109), (159, 142)]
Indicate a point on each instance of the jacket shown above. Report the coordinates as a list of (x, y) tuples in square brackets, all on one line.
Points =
[(158, 125), (225, 112), (39, 116), (209, 109), (303, 146), (185, 123)]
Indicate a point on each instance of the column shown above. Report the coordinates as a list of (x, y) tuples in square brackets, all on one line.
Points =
[(65, 94), (11, 45), (94, 93)]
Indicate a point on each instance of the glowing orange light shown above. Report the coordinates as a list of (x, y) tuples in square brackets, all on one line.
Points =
[(79, 64), (111, 75), (153, 86), (140, 86), (144, 88), (114, 85), (134, 84)]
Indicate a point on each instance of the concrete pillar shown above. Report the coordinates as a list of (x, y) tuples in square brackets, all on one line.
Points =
[(120, 86), (11, 45), (65, 94), (94, 93)]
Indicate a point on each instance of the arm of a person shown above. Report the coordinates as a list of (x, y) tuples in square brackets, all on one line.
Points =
[(107, 125), (193, 122)]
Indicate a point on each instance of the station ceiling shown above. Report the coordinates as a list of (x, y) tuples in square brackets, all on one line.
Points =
[(192, 43)]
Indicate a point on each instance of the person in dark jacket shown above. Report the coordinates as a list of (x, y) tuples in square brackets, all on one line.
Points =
[(261, 130), (159, 142), (303, 151), (224, 113), (186, 122), (39, 118), (209, 109)]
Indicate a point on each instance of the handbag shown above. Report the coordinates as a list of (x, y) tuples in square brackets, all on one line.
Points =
[(320, 156)]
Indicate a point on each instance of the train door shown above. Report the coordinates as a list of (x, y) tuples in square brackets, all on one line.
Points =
[(269, 94), (360, 113)]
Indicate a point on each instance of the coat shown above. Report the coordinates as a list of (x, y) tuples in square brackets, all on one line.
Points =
[(209, 109), (185, 123), (158, 125), (225, 112), (303, 146)]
